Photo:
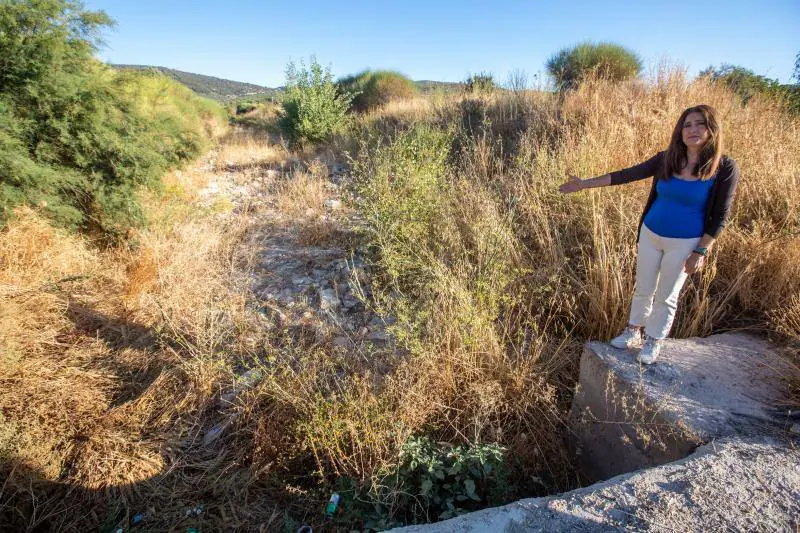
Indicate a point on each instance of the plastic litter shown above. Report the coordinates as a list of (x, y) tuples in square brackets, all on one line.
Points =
[(333, 503), (138, 518)]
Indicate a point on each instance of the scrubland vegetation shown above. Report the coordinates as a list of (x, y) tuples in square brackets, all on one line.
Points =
[(114, 352), (76, 137), (373, 89)]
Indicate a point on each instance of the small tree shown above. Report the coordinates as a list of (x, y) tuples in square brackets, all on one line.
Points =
[(742, 81), (482, 83), (570, 66), (313, 109)]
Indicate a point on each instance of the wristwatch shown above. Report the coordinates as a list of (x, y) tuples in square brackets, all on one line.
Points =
[(701, 251)]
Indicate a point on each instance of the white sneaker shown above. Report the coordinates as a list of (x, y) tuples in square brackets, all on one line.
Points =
[(629, 338), (650, 350)]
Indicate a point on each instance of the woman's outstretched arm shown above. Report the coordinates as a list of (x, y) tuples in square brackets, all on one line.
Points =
[(575, 184), (626, 175)]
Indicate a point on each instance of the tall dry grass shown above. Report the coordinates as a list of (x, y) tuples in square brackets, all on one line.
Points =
[(112, 360), (497, 279)]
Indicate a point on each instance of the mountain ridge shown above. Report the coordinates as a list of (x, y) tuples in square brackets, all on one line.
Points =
[(213, 87), (225, 90)]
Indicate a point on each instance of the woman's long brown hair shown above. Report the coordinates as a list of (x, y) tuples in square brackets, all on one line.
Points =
[(710, 154)]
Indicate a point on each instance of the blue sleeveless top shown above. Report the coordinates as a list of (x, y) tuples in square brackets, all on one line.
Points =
[(679, 208)]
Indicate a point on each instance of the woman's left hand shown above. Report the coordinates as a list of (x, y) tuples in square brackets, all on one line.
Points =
[(694, 263)]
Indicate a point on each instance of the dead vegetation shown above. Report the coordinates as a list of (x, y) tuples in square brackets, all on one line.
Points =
[(113, 361)]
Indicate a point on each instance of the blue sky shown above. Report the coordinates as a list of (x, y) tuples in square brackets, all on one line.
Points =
[(248, 40)]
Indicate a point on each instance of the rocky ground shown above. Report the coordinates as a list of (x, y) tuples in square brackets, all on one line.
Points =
[(306, 273)]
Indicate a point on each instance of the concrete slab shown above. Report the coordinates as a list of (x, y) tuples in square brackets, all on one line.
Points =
[(729, 485), (629, 416)]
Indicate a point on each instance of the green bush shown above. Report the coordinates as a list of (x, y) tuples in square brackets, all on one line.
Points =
[(403, 190), (747, 84), (482, 83), (372, 89), (76, 137), (245, 107), (313, 109), (570, 66), (432, 481)]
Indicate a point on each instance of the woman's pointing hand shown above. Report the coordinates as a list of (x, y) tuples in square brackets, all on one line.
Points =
[(573, 184)]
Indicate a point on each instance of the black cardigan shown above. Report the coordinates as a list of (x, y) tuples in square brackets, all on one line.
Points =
[(719, 200)]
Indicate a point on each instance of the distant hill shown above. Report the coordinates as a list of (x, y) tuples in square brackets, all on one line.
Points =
[(226, 90), (428, 86), (210, 86)]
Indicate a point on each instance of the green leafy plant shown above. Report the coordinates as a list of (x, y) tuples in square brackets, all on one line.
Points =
[(313, 109), (570, 66), (245, 107), (442, 480), (432, 481), (482, 83)]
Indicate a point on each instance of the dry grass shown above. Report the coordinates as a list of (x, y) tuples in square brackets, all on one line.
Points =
[(244, 149), (500, 277), (112, 360)]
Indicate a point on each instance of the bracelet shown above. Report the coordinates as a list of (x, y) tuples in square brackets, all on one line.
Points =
[(701, 251)]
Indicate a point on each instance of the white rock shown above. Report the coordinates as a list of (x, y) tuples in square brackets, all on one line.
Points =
[(333, 203), (328, 300)]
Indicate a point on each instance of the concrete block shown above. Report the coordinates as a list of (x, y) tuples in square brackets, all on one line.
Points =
[(627, 416)]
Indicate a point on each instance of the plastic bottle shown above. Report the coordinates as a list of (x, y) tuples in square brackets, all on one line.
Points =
[(333, 503)]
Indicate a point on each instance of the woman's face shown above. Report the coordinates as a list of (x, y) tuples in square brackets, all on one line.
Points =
[(695, 132)]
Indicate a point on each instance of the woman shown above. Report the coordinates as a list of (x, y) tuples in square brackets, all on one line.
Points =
[(688, 207)]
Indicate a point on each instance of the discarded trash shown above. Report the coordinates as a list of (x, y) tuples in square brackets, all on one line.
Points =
[(305, 529), (217, 431), (330, 510), (192, 530), (138, 518), (197, 511)]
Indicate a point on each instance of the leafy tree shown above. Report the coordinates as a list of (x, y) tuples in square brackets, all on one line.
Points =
[(742, 81), (43, 39), (77, 138), (570, 66), (313, 109)]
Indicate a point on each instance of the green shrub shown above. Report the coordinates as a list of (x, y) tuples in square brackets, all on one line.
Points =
[(747, 84), (372, 89), (570, 66), (432, 481), (245, 107), (443, 481), (313, 109), (742, 81), (482, 83), (78, 138), (403, 191)]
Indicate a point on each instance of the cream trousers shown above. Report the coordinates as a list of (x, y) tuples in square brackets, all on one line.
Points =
[(659, 279)]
